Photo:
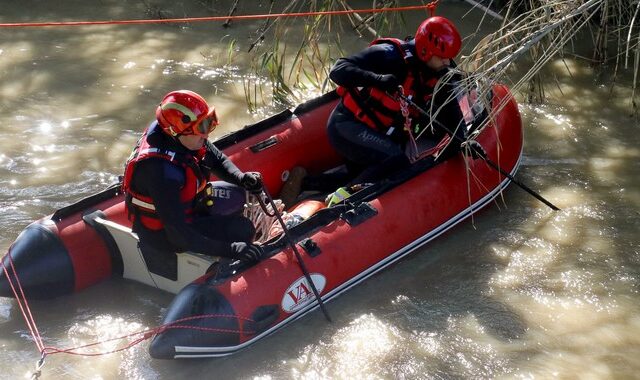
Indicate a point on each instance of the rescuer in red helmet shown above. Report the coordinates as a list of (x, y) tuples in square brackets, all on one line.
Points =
[(167, 176), (367, 126)]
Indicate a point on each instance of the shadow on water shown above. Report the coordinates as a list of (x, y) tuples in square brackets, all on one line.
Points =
[(524, 292)]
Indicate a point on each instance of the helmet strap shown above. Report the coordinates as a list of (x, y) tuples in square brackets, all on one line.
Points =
[(173, 133)]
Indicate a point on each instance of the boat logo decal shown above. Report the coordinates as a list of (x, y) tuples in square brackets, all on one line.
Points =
[(299, 294)]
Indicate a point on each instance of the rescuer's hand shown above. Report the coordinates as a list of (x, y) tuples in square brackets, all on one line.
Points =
[(252, 182), (388, 83), (247, 252)]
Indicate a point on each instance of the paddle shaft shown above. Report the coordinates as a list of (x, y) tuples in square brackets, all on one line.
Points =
[(293, 246), (481, 155)]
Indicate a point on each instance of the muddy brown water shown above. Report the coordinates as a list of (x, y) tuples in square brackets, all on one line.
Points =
[(519, 292)]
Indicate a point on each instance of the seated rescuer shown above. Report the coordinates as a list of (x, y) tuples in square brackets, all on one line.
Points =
[(166, 172), (366, 127)]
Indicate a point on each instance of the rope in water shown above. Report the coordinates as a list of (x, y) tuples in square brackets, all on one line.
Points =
[(430, 6), (18, 292), (149, 333), (14, 282)]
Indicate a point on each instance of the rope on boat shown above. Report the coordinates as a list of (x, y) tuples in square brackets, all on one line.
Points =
[(149, 333), (18, 292), (22, 301), (261, 220), (429, 6)]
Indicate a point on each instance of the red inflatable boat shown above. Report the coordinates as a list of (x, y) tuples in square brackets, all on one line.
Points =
[(221, 309)]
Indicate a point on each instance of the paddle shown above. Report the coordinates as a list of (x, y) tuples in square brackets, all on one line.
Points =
[(293, 246), (479, 153)]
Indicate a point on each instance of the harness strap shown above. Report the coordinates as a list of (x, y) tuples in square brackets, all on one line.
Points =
[(365, 108)]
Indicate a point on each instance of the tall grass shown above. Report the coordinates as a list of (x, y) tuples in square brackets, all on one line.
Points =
[(297, 62), (533, 32), (542, 30)]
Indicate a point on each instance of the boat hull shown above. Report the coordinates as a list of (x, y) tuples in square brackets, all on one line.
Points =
[(267, 297), (229, 308)]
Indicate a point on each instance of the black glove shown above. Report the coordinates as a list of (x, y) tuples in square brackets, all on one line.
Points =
[(388, 83), (474, 149), (252, 182), (247, 252)]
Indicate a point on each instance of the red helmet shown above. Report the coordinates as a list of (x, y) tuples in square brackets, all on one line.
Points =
[(437, 36), (184, 112)]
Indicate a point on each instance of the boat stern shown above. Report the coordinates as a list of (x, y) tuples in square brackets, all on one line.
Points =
[(200, 322), (41, 263)]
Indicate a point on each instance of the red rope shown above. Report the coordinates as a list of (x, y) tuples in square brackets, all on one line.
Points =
[(431, 6), (22, 301), (148, 333), (18, 293)]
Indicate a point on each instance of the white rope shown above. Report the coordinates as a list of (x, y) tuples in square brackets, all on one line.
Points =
[(260, 220)]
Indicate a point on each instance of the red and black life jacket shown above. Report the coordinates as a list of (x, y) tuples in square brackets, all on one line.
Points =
[(373, 106), (140, 205)]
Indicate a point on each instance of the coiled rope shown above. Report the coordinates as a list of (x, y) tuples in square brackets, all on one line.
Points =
[(262, 220)]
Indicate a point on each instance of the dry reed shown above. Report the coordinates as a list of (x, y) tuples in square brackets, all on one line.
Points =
[(533, 32)]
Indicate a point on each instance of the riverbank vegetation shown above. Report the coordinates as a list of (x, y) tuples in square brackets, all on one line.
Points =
[(529, 34)]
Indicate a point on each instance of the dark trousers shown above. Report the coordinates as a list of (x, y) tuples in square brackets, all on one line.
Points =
[(222, 221), (225, 227), (160, 254)]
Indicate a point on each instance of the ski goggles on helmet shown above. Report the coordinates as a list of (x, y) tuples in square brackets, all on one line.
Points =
[(205, 126)]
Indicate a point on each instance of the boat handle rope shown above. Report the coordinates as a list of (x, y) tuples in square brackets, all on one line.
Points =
[(293, 246), (18, 292), (480, 154)]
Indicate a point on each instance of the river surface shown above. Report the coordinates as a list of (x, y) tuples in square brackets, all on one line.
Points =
[(519, 292)]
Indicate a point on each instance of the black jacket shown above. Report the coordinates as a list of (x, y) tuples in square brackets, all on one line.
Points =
[(365, 68), (162, 181)]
